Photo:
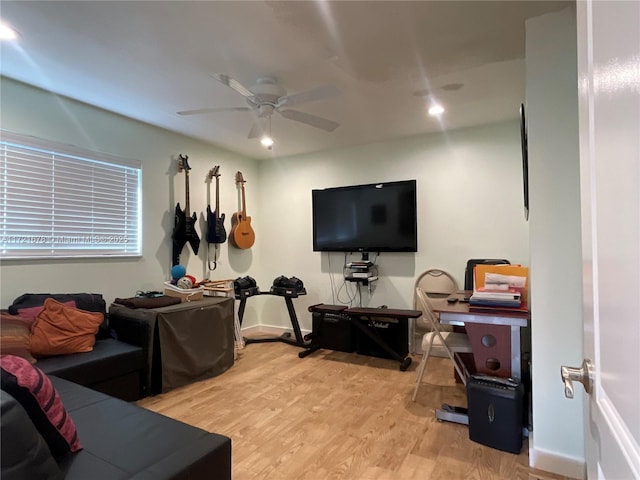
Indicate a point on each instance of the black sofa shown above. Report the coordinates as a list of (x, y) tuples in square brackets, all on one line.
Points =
[(119, 439), (116, 366), (112, 367)]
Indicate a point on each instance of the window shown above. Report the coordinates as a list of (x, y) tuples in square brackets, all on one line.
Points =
[(61, 201)]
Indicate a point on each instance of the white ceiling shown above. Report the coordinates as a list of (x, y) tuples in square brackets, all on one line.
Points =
[(150, 59)]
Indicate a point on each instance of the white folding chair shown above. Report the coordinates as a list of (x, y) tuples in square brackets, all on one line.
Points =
[(452, 343), (435, 283)]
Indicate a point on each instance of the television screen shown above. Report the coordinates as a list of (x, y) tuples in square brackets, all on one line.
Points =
[(379, 217)]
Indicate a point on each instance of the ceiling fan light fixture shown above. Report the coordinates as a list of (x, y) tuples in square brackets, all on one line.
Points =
[(7, 32), (436, 109), (267, 97), (267, 141)]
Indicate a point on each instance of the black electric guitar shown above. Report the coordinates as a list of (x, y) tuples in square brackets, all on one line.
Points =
[(215, 220), (184, 224)]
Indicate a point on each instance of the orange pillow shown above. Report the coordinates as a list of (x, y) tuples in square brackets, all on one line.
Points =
[(15, 334), (32, 312), (60, 329)]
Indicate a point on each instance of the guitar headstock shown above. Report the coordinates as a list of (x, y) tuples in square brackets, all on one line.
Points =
[(183, 163), (239, 178), (214, 172)]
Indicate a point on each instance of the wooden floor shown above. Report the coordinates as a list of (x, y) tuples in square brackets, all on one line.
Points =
[(335, 415)]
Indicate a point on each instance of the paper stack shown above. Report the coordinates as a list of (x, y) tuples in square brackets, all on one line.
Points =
[(502, 277), (489, 297)]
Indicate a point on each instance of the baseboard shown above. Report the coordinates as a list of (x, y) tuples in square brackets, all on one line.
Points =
[(554, 463), (274, 330)]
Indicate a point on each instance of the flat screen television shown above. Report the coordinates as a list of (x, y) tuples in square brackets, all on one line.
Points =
[(378, 217)]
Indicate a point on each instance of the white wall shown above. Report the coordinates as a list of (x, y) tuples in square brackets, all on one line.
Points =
[(35, 112), (556, 281), (470, 205)]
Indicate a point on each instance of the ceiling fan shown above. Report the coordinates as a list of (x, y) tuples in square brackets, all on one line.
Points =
[(267, 96)]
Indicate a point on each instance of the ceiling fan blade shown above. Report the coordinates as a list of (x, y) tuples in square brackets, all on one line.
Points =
[(212, 110), (233, 83), (318, 122), (317, 93), (256, 131)]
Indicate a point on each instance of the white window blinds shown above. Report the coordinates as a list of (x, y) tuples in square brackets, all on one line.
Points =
[(61, 201)]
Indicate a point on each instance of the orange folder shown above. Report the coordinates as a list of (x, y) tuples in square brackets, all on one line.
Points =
[(480, 274)]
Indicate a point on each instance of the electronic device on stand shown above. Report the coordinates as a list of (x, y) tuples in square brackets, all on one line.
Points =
[(363, 271)]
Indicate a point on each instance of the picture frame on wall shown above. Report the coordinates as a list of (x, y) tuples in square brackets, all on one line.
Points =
[(525, 160)]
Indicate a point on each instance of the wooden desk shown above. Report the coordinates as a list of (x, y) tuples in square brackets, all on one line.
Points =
[(494, 335)]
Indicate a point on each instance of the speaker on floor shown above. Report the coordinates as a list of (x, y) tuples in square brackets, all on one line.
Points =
[(335, 332), (391, 331)]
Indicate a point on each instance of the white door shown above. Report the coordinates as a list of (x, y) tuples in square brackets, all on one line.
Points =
[(609, 86)]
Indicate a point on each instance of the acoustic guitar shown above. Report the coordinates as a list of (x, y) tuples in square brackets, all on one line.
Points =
[(215, 220), (242, 235), (184, 223)]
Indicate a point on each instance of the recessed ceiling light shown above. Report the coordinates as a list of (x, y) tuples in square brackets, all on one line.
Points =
[(6, 32), (436, 109)]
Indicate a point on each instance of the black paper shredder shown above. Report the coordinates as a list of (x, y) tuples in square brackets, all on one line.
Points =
[(495, 412)]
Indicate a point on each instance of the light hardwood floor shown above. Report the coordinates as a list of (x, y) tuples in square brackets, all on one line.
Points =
[(336, 415)]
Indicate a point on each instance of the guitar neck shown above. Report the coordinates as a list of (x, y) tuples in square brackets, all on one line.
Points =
[(217, 196), (187, 210), (244, 210)]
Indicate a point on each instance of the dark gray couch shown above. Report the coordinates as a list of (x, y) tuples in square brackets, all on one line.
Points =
[(117, 365), (120, 441), (113, 367)]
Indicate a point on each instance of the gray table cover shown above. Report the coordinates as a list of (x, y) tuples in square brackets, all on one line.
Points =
[(195, 339)]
